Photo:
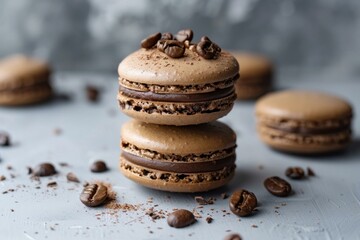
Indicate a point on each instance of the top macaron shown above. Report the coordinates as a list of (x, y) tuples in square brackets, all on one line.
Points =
[(172, 81)]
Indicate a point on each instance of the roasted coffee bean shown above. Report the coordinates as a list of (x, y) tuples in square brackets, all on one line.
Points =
[(277, 186), (233, 236), (295, 172), (242, 202), (161, 44), (208, 49), (174, 49), (4, 139), (167, 36), (181, 218), (92, 93), (151, 40), (44, 170), (98, 167), (93, 195), (183, 35)]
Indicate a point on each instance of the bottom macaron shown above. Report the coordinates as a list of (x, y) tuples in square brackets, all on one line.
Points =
[(178, 159)]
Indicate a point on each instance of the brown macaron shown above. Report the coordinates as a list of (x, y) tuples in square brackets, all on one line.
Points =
[(188, 89), (194, 158), (256, 75), (24, 81), (305, 122)]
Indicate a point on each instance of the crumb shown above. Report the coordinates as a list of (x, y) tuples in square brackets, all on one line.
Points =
[(224, 196), (29, 170), (63, 164), (71, 177), (52, 184), (2, 178), (209, 219), (310, 172), (57, 131), (254, 226), (202, 201), (9, 167), (260, 167), (92, 93)]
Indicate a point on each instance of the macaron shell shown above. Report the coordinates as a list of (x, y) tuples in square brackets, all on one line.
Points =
[(168, 113), (150, 66), (280, 141), (246, 91), (303, 105), (19, 71), (179, 140), (253, 66), (175, 186), (26, 97)]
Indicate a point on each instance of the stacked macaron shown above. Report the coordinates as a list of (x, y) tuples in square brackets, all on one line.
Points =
[(176, 90)]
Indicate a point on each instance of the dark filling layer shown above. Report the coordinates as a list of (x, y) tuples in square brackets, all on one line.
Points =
[(311, 131), (180, 167), (171, 97)]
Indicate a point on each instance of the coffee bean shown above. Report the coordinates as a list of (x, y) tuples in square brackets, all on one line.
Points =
[(242, 202), (93, 195), (233, 236), (4, 139), (151, 40), (277, 186), (183, 35), (98, 167), (174, 49), (167, 36), (44, 170), (208, 49), (161, 45), (295, 172), (92, 93), (181, 218)]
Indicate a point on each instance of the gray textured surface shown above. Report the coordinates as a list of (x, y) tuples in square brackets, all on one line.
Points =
[(317, 36), (324, 207)]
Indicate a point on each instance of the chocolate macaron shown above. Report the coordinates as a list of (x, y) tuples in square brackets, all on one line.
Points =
[(256, 75), (24, 81), (193, 158), (304, 122), (177, 83)]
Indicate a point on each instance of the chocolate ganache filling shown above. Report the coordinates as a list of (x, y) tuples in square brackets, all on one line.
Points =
[(171, 97), (181, 167)]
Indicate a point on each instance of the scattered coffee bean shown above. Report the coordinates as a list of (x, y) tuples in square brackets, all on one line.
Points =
[(167, 36), (242, 202), (174, 49), (310, 172), (52, 184), (183, 35), (208, 49), (151, 40), (71, 177), (181, 218), (92, 93), (44, 169), (295, 172), (98, 167), (93, 195), (209, 219), (277, 186), (2, 178), (233, 236), (4, 139)]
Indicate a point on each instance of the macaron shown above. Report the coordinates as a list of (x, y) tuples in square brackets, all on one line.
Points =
[(191, 87), (193, 158), (305, 122), (256, 75), (24, 81)]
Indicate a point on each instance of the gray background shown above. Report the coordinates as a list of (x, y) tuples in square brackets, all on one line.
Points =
[(318, 37)]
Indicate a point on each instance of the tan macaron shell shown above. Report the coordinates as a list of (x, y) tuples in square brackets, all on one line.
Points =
[(195, 139), (256, 73), (306, 122), (303, 106), (150, 66)]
